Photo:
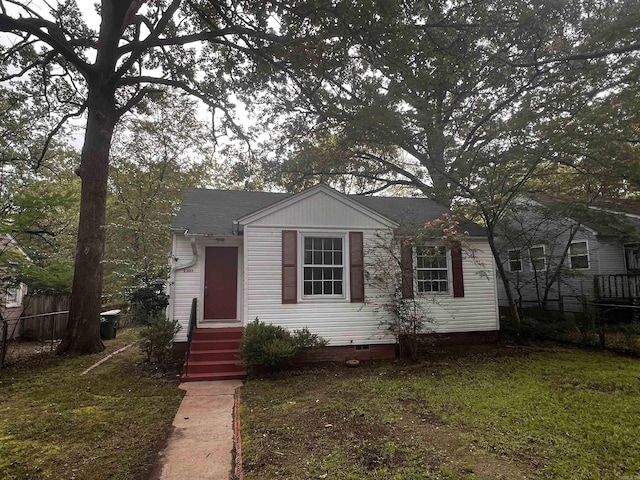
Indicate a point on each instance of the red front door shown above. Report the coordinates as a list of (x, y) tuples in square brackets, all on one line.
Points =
[(221, 283)]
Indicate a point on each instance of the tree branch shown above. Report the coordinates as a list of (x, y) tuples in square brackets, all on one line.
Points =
[(569, 58), (150, 41), (55, 130), (128, 81), (56, 41)]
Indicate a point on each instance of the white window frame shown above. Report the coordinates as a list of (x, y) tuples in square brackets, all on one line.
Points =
[(416, 281), (519, 259), (587, 254), (344, 236), (14, 300), (543, 258)]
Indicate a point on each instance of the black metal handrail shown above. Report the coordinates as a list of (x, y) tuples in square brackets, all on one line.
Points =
[(619, 286), (192, 327)]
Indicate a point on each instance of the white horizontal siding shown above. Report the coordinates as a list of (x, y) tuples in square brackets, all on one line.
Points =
[(319, 209), (477, 310), (186, 285), (344, 323)]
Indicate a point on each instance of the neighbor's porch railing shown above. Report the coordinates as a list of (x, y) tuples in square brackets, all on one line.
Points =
[(192, 327), (619, 286)]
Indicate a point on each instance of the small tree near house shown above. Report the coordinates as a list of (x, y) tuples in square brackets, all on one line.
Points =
[(391, 275)]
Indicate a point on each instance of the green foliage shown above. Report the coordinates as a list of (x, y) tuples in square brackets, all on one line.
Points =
[(40, 210), (267, 345), (148, 298), (303, 338), (517, 412), (157, 338), (54, 279), (156, 156), (52, 417)]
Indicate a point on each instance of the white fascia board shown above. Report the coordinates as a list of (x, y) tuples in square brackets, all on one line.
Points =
[(209, 235), (616, 212), (252, 217)]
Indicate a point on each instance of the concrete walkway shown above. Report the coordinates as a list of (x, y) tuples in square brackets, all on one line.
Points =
[(201, 444)]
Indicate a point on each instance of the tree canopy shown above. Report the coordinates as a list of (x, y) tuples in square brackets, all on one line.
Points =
[(459, 100), (480, 97), (140, 48)]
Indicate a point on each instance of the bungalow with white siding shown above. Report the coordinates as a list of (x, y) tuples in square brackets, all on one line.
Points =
[(305, 260)]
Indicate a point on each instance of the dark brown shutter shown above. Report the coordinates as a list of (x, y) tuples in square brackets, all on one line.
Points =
[(456, 270), (356, 266), (289, 266), (406, 267)]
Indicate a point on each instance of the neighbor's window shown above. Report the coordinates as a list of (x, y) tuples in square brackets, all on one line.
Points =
[(432, 271), (632, 257), (515, 260), (13, 297), (579, 255), (323, 266), (538, 258)]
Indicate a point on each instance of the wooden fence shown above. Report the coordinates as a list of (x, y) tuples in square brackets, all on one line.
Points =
[(49, 327)]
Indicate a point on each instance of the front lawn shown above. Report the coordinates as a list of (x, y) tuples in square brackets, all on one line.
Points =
[(107, 424), (499, 413)]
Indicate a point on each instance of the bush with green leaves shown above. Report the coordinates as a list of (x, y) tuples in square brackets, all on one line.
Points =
[(270, 346), (157, 338), (148, 299)]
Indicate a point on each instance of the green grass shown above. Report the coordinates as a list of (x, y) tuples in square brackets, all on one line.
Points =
[(107, 424), (524, 413)]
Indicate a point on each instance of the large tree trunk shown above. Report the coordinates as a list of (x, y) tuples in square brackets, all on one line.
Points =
[(83, 329)]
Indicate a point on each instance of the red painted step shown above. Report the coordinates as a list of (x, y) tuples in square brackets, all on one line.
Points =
[(214, 355), (231, 333)]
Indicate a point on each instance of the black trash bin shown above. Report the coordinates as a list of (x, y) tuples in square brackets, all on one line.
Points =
[(109, 324)]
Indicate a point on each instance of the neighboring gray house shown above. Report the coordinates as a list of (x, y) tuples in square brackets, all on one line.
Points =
[(557, 257), (302, 261)]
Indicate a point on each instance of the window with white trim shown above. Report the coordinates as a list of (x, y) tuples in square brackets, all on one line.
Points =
[(579, 255), (515, 260), (432, 269), (538, 258), (323, 266), (13, 297)]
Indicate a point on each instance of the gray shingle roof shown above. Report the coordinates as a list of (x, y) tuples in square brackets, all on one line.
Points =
[(212, 212)]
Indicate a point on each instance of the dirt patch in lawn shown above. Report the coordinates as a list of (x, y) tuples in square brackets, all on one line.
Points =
[(339, 423)]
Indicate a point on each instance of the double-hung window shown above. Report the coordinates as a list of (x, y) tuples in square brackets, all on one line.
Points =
[(538, 258), (515, 260), (432, 270), (323, 266), (579, 255), (13, 297)]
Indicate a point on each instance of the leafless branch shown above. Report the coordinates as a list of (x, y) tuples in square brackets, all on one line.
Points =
[(54, 132)]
